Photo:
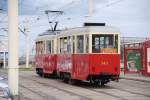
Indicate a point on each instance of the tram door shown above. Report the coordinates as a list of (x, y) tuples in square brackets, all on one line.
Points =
[(48, 55), (81, 58)]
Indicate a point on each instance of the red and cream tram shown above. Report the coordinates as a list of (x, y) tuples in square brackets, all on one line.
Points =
[(87, 53), (46, 55)]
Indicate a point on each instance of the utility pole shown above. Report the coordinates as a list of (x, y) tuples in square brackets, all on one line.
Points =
[(13, 48), (27, 50), (27, 41), (4, 59), (90, 10), (25, 32)]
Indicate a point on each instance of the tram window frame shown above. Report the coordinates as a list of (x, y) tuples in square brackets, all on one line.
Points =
[(73, 44), (40, 47), (37, 48), (86, 43), (79, 49), (52, 46), (104, 41), (65, 44), (69, 44), (48, 47), (61, 45), (116, 41)]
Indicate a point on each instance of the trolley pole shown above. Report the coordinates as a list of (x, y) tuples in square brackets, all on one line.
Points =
[(13, 48)]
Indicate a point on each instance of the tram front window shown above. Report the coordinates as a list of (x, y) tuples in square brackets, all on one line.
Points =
[(105, 43)]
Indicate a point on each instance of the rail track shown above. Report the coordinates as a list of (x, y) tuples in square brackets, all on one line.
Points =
[(95, 88), (84, 85), (53, 86)]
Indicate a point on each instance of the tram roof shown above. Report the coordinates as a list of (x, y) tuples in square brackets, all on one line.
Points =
[(47, 35), (89, 30), (78, 30)]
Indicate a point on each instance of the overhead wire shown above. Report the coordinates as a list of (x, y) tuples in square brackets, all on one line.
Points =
[(66, 7), (3, 12), (109, 4)]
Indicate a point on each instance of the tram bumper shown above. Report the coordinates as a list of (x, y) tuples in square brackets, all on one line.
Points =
[(104, 77)]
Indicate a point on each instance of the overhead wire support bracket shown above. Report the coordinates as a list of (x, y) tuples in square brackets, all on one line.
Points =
[(57, 12), (53, 11)]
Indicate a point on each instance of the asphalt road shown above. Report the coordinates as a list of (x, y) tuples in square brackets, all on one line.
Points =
[(33, 87)]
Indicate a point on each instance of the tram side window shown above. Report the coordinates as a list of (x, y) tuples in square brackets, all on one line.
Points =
[(63, 45), (69, 42), (116, 42), (104, 44), (52, 46), (39, 47), (73, 44), (87, 43), (48, 46), (80, 44), (42, 47)]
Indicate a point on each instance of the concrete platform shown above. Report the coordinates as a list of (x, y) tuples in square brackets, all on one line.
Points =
[(136, 77)]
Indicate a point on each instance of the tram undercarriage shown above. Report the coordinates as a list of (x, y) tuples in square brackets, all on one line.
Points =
[(102, 79)]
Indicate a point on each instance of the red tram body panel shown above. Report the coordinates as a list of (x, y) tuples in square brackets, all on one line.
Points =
[(80, 66), (64, 63), (47, 63), (50, 62), (39, 61)]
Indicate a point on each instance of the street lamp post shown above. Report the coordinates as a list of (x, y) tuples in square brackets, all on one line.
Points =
[(13, 47)]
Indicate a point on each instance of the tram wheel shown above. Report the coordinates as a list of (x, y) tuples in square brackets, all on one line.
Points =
[(41, 74), (72, 81), (102, 83), (65, 80), (97, 82)]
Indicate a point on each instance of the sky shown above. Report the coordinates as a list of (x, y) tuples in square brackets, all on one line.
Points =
[(132, 17)]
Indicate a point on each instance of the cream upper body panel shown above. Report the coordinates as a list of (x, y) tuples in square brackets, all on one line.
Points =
[(89, 30)]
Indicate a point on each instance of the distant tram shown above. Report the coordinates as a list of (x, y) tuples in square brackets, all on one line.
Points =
[(90, 53)]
